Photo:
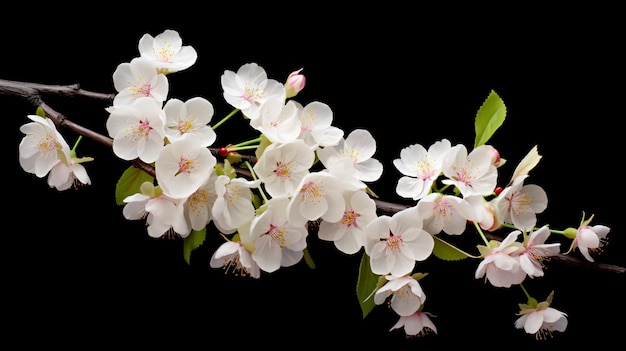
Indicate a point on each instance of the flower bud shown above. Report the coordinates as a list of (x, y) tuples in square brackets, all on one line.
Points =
[(295, 83), (495, 157)]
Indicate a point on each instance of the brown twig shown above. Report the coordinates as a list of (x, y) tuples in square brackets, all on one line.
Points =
[(32, 92)]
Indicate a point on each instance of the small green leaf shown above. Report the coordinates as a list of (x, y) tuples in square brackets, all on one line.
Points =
[(130, 183), (192, 242), (447, 252), (489, 118), (366, 284)]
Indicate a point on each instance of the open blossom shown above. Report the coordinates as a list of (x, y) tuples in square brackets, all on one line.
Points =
[(183, 166), (138, 78), (416, 325), (233, 206), (235, 256), (395, 243), (277, 120), (590, 238), (540, 319), (198, 205), (277, 241), (536, 250), (167, 52), (519, 203), (249, 87), (189, 119), (137, 130), (164, 215), (406, 294), (316, 127), (348, 234), (282, 166), (343, 169), (447, 213), (500, 264), (319, 195), (473, 173), (420, 168), (359, 147), (66, 175), (42, 146)]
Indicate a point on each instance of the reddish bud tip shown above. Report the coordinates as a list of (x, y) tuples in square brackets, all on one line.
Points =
[(223, 152), (498, 190)]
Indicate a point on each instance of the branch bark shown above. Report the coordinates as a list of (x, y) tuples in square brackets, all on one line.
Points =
[(32, 92)]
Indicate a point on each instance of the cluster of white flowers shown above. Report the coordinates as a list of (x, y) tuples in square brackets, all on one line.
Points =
[(305, 170)]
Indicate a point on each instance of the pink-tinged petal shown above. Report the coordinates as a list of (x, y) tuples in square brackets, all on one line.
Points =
[(539, 236), (504, 262), (587, 238), (350, 242), (530, 266), (156, 227), (601, 230), (551, 315), (538, 197), (362, 141), (413, 325), (510, 238), (481, 270), (419, 249), (226, 249), (427, 323), (369, 170), (524, 220), (400, 265), (534, 321), (290, 257), (560, 324), (521, 321), (379, 265), (267, 255), (409, 187), (406, 304)]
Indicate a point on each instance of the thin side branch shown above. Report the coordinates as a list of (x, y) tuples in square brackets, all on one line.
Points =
[(28, 90), (33, 91)]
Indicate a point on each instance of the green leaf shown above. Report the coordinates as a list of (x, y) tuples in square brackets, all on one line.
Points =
[(130, 183), (489, 118), (192, 242), (447, 252), (366, 284)]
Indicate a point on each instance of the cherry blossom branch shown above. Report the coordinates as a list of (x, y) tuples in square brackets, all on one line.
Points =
[(32, 92)]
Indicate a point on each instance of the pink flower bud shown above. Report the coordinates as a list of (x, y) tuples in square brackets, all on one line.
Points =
[(295, 83), (495, 157)]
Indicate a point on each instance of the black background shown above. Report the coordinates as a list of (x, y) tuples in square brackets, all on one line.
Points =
[(76, 273)]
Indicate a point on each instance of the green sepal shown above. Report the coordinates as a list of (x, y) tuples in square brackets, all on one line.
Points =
[(489, 118), (264, 143), (448, 252), (308, 259), (130, 183), (366, 284), (229, 170), (40, 112), (234, 158), (192, 242)]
